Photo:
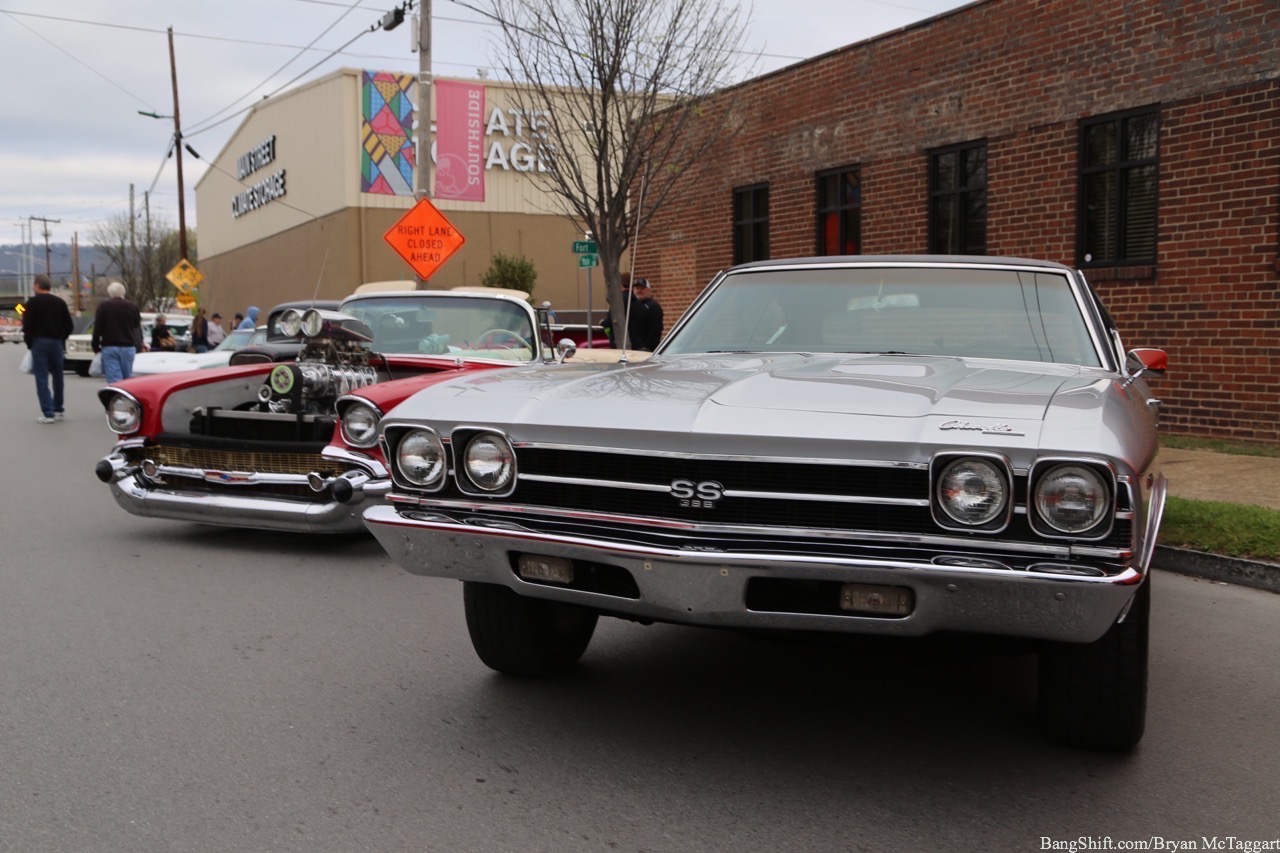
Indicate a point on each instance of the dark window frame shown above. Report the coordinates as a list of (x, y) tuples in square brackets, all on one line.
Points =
[(1121, 251), (841, 207), (744, 227), (955, 196)]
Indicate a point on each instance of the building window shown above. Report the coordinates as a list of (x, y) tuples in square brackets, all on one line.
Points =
[(840, 212), (751, 224), (1119, 169), (958, 199)]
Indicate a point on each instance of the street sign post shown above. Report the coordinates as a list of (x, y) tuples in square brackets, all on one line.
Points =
[(424, 238), (585, 247), (588, 260)]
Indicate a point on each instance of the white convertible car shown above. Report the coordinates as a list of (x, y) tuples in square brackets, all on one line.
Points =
[(146, 363)]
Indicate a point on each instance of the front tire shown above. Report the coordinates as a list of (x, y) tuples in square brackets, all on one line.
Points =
[(1094, 695), (527, 637)]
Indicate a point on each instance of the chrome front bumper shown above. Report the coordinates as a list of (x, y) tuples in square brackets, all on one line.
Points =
[(162, 496), (710, 589)]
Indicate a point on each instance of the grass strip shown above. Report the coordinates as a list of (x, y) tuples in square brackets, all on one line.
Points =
[(1232, 530), (1218, 445)]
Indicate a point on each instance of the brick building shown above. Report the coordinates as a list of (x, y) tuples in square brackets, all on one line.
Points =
[(1139, 141)]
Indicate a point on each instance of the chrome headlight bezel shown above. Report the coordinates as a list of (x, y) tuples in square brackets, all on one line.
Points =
[(359, 424), (486, 463), (1097, 475), (123, 412), (995, 473), (426, 444)]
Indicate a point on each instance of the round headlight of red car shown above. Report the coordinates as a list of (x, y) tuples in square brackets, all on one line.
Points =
[(124, 414), (1071, 498), (360, 425), (972, 491)]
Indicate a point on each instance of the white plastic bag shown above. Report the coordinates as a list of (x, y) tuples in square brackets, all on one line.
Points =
[(26, 365), (95, 366)]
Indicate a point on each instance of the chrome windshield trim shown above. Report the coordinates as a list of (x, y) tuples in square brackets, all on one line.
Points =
[(1057, 550), (728, 493)]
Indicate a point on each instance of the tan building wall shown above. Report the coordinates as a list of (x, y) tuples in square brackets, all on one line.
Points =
[(324, 236)]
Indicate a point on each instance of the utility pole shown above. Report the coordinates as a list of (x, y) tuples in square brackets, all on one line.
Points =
[(75, 269), (177, 143), (422, 188), (133, 242), (48, 262)]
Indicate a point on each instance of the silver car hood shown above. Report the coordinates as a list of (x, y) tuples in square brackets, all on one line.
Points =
[(758, 402)]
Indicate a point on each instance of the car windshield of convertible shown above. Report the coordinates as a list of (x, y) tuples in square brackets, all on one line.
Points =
[(967, 313), (488, 328)]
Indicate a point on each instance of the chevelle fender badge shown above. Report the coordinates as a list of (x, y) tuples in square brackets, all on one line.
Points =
[(985, 429)]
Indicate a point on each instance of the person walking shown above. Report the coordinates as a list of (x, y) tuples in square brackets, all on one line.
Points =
[(46, 325), (117, 334), (216, 333), (200, 332), (635, 313), (250, 322), (649, 330)]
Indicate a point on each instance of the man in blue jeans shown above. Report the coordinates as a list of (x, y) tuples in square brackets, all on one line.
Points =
[(117, 334), (46, 325)]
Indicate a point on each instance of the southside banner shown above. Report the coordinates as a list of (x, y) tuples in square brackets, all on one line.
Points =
[(459, 172)]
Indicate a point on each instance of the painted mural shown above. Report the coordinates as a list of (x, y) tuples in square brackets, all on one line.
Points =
[(386, 132)]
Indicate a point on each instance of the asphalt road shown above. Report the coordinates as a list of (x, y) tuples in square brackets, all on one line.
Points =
[(169, 686)]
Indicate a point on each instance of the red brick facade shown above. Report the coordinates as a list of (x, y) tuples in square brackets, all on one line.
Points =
[(1021, 74)]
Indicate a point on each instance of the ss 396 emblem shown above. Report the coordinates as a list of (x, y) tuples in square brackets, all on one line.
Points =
[(701, 495)]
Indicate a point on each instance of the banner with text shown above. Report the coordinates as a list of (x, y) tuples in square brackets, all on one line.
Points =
[(459, 172)]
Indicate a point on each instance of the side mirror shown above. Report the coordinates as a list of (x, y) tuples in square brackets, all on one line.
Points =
[(566, 349), (1146, 360)]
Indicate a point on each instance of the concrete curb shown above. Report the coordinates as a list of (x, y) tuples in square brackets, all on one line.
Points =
[(1254, 573)]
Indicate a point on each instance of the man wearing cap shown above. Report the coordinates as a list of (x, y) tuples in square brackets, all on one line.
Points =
[(46, 325), (216, 333), (646, 334)]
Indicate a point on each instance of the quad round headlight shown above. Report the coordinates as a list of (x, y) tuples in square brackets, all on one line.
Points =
[(124, 414), (420, 458), (312, 323), (290, 323), (1071, 498), (489, 462), (972, 491), (360, 425)]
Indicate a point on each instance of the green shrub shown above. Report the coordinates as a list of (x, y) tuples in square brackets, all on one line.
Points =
[(514, 272)]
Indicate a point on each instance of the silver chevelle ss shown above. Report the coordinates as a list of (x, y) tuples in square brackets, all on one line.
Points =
[(878, 445)]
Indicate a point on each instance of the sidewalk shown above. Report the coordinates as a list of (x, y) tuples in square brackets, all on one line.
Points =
[(1202, 475)]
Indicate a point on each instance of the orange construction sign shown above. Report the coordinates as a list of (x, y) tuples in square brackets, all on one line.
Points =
[(424, 238)]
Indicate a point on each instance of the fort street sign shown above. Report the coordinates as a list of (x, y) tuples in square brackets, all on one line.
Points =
[(184, 276), (424, 238)]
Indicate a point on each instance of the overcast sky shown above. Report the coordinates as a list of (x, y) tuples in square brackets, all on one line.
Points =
[(77, 72)]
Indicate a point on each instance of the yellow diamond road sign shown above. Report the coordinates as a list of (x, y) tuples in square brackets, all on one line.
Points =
[(184, 276)]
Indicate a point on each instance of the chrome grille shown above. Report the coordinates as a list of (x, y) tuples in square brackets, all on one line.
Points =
[(234, 460)]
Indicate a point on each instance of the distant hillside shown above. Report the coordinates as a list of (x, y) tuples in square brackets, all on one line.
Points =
[(91, 260)]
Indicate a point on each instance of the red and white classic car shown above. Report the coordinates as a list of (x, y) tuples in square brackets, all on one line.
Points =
[(292, 446)]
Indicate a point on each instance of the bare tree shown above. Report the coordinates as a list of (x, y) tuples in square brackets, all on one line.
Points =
[(142, 272), (613, 89)]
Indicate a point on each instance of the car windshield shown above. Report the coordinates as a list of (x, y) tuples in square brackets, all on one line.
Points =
[(235, 340), (468, 326), (974, 313)]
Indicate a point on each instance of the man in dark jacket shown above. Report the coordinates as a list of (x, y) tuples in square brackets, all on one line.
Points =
[(46, 325), (117, 334), (649, 330)]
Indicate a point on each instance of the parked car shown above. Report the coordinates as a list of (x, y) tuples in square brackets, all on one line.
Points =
[(146, 363), (79, 353), (11, 333), (896, 446), (292, 445)]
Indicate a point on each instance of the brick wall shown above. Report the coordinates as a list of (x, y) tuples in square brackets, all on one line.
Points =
[(1020, 75)]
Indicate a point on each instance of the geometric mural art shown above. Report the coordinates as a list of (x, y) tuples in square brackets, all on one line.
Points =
[(387, 105)]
